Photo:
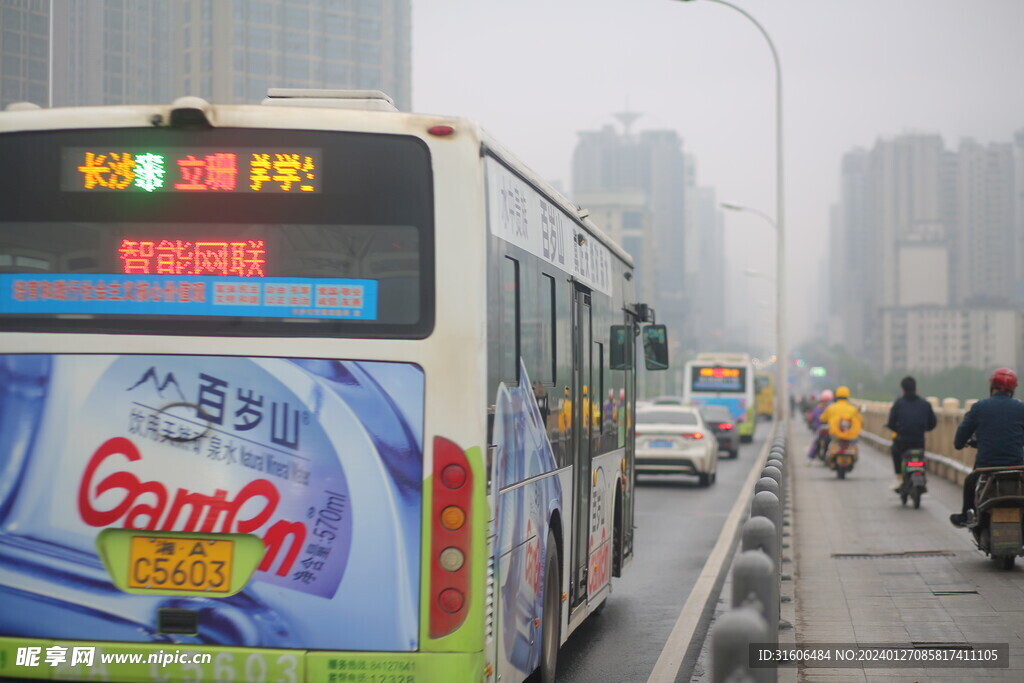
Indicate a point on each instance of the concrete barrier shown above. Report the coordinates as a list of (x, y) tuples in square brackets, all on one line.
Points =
[(756, 576), (730, 647)]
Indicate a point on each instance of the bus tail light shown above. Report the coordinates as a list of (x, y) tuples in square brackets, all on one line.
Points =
[(450, 538)]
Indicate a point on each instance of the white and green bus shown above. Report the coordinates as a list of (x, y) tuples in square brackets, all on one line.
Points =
[(724, 379), (311, 390)]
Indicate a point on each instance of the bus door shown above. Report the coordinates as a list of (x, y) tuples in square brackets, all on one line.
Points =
[(626, 426), (582, 409)]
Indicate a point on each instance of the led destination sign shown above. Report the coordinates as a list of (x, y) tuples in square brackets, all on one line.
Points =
[(718, 379), (248, 170)]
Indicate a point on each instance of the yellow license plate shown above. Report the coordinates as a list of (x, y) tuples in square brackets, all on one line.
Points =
[(844, 459), (181, 564), (1006, 515)]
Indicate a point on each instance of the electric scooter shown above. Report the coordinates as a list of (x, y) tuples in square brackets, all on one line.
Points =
[(915, 481), (842, 456), (997, 524)]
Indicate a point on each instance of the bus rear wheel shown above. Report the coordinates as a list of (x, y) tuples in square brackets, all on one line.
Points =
[(550, 636)]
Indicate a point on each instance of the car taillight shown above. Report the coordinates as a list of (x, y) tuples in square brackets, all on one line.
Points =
[(914, 463), (725, 425), (695, 435), (450, 537)]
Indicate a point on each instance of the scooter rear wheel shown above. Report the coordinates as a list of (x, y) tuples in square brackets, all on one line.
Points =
[(916, 494)]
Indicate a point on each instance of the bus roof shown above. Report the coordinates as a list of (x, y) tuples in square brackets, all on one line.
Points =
[(724, 357)]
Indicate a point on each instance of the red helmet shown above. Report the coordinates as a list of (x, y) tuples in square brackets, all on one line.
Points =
[(1003, 379)]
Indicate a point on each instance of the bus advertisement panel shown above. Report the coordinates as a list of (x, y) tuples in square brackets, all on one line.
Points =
[(291, 451)]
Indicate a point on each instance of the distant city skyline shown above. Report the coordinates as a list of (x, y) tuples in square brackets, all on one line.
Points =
[(535, 73), (927, 246), (641, 187)]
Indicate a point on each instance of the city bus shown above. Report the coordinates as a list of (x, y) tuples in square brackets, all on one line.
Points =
[(724, 379), (764, 386), (311, 390)]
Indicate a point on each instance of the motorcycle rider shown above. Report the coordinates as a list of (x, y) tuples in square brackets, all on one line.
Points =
[(910, 417), (815, 423), (840, 412), (998, 422)]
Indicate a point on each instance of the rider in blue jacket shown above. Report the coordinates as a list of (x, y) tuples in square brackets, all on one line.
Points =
[(998, 422)]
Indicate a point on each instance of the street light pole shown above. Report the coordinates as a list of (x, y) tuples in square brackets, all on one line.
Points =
[(782, 367)]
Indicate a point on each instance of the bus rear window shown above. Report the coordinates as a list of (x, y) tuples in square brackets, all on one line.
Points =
[(216, 232)]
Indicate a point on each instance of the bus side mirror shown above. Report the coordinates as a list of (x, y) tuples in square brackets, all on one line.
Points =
[(655, 347), (620, 356)]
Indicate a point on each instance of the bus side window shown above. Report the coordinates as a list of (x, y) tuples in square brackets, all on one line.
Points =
[(548, 328), (510, 321)]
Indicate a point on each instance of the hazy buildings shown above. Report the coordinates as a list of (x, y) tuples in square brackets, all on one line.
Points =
[(233, 51), (228, 51), (24, 51), (931, 339), (642, 188), (925, 255), (122, 52)]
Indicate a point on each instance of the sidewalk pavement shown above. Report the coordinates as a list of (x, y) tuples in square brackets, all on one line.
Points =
[(868, 570)]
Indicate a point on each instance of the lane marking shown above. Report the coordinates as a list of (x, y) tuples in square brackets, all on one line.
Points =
[(671, 658)]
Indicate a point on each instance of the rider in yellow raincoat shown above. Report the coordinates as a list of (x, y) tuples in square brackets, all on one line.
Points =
[(842, 417)]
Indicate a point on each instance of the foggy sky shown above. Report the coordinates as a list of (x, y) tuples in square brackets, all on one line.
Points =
[(534, 72)]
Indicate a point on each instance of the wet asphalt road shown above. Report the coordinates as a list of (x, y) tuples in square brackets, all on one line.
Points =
[(678, 523)]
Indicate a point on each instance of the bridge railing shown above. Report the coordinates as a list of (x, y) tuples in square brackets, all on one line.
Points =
[(942, 458)]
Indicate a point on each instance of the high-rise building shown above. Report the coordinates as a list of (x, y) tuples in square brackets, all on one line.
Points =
[(651, 163), (114, 52), (24, 51), (850, 260), (228, 51), (644, 183), (1018, 207), (924, 235), (931, 339), (983, 230), (234, 51)]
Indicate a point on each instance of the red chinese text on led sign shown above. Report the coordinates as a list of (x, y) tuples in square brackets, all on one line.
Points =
[(213, 172), (180, 257)]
